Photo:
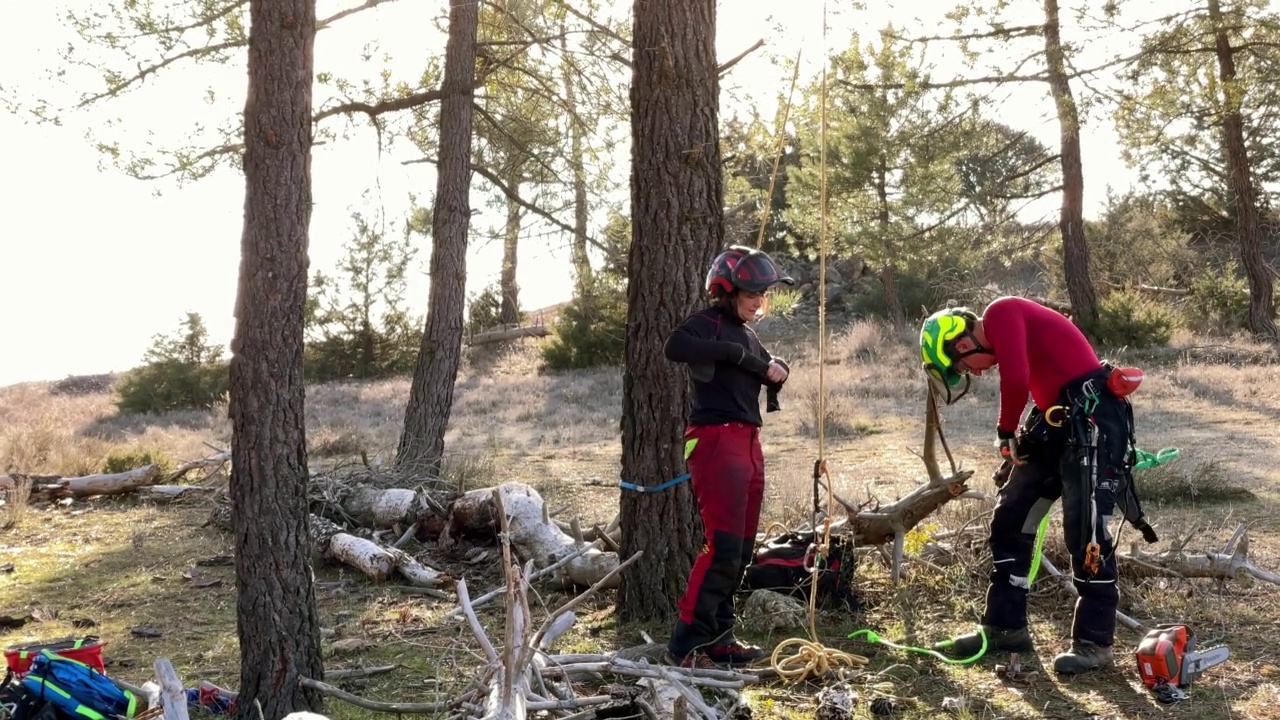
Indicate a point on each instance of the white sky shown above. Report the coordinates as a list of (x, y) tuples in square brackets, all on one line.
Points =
[(95, 263)]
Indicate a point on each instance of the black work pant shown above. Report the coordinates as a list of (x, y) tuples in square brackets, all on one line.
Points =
[(1052, 470), (727, 469)]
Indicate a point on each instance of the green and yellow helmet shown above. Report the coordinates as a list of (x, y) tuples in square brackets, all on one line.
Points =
[(938, 336)]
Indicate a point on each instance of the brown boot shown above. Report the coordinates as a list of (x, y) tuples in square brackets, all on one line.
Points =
[(1083, 657)]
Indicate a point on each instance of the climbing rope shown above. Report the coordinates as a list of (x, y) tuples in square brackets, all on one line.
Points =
[(811, 658)]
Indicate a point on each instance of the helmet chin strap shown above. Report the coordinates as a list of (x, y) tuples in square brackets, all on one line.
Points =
[(952, 399)]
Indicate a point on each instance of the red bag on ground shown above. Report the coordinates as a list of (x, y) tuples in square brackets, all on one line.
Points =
[(87, 650)]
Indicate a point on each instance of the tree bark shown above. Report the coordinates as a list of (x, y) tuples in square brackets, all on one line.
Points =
[(677, 210), (431, 394), (509, 310), (275, 609), (889, 273), (1244, 196), (577, 159), (1075, 249)]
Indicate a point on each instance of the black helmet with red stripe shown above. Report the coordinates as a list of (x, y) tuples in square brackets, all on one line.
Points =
[(743, 268)]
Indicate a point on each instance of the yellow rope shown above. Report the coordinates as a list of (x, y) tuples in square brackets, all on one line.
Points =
[(811, 659)]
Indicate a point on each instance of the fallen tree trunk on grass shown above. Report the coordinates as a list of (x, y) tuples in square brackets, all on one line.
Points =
[(1230, 564), (521, 676), (377, 562), (513, 332), (53, 487), (100, 484), (534, 536)]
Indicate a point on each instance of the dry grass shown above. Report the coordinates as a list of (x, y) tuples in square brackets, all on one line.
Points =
[(120, 563)]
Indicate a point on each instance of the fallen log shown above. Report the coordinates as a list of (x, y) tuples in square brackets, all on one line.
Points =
[(99, 484), (1232, 564), (534, 536), (392, 508), (508, 333), (377, 562)]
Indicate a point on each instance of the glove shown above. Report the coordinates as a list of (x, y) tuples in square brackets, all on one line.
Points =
[(1001, 475), (771, 399), (1007, 445), (750, 362), (783, 364), (1148, 532)]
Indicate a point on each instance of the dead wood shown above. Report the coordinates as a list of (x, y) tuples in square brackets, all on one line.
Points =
[(534, 536), (89, 485), (173, 698), (1231, 564), (215, 461), (890, 523), (377, 562), (509, 332)]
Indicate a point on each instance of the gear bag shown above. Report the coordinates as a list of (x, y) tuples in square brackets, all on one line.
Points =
[(783, 565), (87, 650), (77, 689)]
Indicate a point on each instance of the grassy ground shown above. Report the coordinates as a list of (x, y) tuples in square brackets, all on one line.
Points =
[(113, 567)]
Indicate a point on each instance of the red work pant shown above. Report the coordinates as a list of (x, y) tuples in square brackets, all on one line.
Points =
[(727, 469)]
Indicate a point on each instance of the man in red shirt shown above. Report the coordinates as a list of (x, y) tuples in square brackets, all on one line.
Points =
[(1076, 444)]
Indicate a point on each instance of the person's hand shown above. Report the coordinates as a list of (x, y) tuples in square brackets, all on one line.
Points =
[(777, 372), (1007, 444)]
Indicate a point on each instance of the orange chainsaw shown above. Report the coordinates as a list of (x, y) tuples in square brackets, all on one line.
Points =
[(1169, 662)]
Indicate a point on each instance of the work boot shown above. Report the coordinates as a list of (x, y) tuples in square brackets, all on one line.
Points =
[(999, 639), (694, 659), (735, 652), (1083, 657)]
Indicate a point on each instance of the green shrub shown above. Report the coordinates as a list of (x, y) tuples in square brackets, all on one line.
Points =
[(364, 353), (484, 310), (1219, 301), (170, 385), (918, 294), (782, 301), (125, 459), (1127, 318), (183, 370), (591, 330)]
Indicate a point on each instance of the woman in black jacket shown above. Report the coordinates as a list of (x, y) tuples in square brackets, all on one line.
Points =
[(729, 366)]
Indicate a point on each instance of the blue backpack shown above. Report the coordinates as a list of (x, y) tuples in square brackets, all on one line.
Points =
[(77, 689)]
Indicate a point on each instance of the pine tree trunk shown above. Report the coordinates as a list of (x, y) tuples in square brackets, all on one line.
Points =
[(1075, 249), (509, 311), (889, 273), (431, 394), (1244, 196), (676, 197), (577, 159), (275, 607)]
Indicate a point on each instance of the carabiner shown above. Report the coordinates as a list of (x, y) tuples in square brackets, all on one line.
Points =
[(1093, 558), (1048, 415)]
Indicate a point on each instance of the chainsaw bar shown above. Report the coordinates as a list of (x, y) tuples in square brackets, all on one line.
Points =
[(1194, 664)]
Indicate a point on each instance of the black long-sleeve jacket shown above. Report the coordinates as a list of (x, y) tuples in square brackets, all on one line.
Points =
[(728, 364)]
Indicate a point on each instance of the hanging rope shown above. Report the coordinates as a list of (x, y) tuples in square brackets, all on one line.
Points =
[(811, 658)]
